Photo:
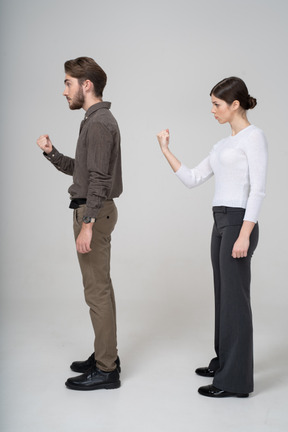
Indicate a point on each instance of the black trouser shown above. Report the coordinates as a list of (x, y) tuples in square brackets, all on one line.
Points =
[(233, 316)]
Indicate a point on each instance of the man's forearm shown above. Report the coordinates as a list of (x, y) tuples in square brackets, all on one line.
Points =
[(63, 163)]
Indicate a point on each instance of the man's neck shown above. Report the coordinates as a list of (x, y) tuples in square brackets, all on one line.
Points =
[(91, 101)]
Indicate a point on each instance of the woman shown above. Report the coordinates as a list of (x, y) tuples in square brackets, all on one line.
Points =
[(239, 163)]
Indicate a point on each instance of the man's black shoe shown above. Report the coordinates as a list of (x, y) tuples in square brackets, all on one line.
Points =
[(84, 366), (212, 391), (94, 379), (205, 371)]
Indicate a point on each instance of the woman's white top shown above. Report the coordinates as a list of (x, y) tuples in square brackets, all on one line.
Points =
[(239, 164)]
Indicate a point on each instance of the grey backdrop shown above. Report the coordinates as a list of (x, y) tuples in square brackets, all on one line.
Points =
[(162, 58)]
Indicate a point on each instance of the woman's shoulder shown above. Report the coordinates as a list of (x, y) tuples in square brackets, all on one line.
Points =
[(256, 128), (254, 138), (255, 131)]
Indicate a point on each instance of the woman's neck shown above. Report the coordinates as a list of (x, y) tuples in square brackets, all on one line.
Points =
[(239, 123)]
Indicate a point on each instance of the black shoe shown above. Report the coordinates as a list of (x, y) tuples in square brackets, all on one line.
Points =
[(84, 366), (205, 371), (94, 379), (212, 391)]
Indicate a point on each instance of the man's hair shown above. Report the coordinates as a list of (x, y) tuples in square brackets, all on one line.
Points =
[(84, 68)]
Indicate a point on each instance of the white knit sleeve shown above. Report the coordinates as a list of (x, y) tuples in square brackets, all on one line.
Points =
[(195, 176), (257, 156)]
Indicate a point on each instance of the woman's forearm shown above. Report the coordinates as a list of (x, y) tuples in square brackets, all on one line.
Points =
[(163, 139), (172, 160)]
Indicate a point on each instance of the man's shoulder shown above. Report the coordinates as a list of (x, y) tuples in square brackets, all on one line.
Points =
[(104, 117)]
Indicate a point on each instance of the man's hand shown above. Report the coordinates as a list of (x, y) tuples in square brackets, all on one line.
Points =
[(84, 238), (45, 144)]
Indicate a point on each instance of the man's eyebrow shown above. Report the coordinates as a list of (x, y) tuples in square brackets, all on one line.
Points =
[(66, 80)]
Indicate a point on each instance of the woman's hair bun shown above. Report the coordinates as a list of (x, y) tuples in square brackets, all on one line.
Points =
[(251, 102)]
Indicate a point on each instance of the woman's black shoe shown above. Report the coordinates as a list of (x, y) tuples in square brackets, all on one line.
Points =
[(205, 371), (212, 391)]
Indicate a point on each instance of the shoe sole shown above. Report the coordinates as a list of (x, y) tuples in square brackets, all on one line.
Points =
[(238, 395), (108, 386), (204, 375)]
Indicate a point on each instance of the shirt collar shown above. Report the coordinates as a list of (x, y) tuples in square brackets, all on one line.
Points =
[(96, 107)]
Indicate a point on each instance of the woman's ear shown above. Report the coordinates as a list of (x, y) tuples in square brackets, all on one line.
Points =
[(235, 105)]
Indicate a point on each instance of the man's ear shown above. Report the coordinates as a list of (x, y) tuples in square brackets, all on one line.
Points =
[(87, 86)]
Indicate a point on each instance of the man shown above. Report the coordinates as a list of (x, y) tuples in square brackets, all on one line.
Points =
[(97, 179)]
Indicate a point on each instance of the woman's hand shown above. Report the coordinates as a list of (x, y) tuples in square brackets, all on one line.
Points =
[(240, 248), (163, 139)]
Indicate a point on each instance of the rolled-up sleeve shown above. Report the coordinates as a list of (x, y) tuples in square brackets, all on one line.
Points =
[(100, 145)]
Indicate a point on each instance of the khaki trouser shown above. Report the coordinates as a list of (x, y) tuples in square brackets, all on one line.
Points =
[(98, 289)]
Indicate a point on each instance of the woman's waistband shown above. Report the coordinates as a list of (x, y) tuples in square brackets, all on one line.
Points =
[(224, 209)]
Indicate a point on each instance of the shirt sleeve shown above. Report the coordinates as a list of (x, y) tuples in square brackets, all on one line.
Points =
[(63, 163), (100, 145), (195, 176), (257, 156)]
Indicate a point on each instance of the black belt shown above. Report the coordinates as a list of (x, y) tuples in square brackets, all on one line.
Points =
[(76, 202), (223, 209)]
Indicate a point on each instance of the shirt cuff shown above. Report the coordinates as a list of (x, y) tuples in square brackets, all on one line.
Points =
[(53, 155)]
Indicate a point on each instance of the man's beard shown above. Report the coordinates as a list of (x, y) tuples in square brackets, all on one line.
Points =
[(78, 100)]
